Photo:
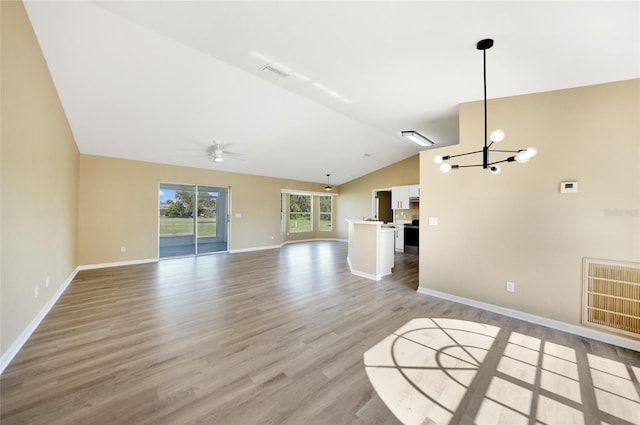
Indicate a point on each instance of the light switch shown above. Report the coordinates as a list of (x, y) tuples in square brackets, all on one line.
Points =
[(238, 215), (433, 221)]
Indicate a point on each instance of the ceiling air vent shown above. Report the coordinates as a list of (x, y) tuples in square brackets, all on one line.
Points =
[(277, 69)]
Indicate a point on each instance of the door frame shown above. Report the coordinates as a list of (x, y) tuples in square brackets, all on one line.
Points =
[(374, 201)]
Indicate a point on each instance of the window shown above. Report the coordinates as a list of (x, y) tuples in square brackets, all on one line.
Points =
[(326, 210), (300, 214)]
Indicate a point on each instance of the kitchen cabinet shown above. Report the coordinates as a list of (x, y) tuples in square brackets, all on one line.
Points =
[(399, 237), (400, 197), (414, 191)]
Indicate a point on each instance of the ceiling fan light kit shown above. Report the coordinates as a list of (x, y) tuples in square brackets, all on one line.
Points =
[(216, 153), (496, 136)]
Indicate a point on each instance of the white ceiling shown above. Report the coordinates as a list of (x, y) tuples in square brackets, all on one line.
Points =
[(161, 80)]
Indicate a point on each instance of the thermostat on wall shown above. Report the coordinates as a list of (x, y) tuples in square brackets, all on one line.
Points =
[(569, 187)]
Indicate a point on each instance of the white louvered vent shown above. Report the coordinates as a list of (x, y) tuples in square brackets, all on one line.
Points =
[(276, 69), (611, 296)]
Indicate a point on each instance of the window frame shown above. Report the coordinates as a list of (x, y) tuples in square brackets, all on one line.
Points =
[(321, 213)]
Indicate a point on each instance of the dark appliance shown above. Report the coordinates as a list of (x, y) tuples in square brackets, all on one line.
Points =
[(412, 237)]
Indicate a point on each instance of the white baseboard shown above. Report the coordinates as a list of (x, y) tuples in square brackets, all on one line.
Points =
[(366, 275), (254, 248), (539, 320), (13, 349), (261, 248), (117, 264), (362, 274), (314, 240)]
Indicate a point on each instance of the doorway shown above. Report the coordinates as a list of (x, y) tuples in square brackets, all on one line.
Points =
[(193, 219), (382, 205)]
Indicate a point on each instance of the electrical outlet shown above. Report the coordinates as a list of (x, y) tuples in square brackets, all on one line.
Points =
[(511, 286), (35, 291), (123, 249)]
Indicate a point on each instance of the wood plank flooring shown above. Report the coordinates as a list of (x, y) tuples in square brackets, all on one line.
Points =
[(268, 337)]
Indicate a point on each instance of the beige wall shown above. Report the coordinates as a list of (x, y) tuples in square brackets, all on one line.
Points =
[(119, 207), (39, 179), (355, 198), (516, 225)]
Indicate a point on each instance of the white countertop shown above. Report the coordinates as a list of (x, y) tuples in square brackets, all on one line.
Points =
[(364, 222), (392, 223)]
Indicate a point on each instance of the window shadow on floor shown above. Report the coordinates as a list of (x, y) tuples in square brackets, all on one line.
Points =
[(446, 371)]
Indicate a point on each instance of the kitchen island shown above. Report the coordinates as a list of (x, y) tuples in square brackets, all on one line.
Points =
[(370, 249)]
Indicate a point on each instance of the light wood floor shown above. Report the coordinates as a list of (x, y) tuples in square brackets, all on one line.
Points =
[(271, 337)]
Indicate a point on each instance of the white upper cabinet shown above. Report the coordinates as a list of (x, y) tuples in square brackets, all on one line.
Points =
[(414, 191), (400, 197)]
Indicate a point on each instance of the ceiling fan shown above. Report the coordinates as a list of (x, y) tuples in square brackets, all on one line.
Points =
[(216, 153)]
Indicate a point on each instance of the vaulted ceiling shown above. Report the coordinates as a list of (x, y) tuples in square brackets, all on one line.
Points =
[(161, 81)]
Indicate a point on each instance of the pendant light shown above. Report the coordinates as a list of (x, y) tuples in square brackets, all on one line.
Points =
[(328, 187), (496, 136)]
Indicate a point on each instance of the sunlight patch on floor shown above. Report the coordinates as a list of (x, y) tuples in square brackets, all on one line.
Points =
[(423, 370), (615, 390), (428, 369)]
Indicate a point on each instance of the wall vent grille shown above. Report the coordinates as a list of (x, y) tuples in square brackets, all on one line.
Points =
[(276, 70), (611, 296)]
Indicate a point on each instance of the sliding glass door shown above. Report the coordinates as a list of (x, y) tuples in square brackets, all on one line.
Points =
[(212, 219), (193, 219), (177, 230)]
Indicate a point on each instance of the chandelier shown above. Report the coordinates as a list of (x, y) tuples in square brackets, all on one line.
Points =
[(496, 136)]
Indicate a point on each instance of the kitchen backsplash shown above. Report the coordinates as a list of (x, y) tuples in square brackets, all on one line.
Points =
[(406, 214)]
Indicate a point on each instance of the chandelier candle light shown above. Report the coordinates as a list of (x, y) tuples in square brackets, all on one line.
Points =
[(496, 136)]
